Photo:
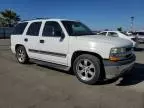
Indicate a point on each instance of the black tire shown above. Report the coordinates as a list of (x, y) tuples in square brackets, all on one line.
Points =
[(96, 65), (23, 58)]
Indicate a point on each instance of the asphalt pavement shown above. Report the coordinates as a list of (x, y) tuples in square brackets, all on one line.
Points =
[(35, 86)]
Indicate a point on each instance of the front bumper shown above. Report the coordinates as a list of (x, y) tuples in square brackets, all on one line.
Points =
[(115, 69)]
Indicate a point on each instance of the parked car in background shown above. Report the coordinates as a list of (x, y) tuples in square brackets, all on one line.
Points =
[(96, 32), (140, 36), (131, 38), (129, 33)]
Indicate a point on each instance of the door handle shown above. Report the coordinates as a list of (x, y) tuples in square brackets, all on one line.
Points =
[(26, 39), (41, 41)]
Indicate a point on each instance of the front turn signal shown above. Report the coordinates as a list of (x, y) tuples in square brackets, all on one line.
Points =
[(114, 58)]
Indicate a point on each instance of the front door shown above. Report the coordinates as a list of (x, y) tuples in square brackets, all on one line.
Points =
[(53, 43)]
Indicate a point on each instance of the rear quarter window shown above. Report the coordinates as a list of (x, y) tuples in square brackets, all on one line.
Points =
[(19, 29)]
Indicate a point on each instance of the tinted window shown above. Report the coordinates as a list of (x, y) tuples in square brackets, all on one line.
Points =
[(34, 28), (52, 28), (112, 34), (103, 33), (19, 29)]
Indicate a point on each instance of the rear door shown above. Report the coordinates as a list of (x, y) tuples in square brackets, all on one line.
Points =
[(31, 39)]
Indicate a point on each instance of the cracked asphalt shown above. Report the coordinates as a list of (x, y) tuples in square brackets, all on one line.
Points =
[(35, 86)]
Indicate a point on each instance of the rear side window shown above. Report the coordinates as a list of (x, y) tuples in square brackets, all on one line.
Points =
[(19, 29), (34, 28)]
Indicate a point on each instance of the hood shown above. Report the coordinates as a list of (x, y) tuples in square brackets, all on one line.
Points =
[(115, 41)]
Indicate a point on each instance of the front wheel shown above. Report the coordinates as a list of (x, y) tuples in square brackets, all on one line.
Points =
[(87, 68)]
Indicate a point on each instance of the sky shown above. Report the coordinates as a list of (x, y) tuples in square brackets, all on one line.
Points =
[(97, 14)]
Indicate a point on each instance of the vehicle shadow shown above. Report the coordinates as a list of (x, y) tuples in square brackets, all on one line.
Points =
[(55, 69), (135, 77)]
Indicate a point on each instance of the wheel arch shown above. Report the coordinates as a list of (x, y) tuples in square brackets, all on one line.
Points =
[(17, 45), (78, 53)]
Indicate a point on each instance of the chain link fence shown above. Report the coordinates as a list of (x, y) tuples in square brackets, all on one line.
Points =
[(5, 32)]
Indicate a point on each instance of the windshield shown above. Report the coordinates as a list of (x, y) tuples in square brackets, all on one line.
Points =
[(76, 28)]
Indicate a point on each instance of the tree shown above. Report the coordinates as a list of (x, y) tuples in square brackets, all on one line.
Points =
[(9, 18), (119, 29), (3, 22)]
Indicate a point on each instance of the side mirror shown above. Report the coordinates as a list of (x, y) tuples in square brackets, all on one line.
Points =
[(62, 35), (59, 33)]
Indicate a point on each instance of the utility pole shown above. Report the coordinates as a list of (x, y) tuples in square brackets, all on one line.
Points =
[(132, 24)]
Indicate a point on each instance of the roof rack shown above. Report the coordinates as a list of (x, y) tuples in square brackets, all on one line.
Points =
[(42, 18), (34, 19)]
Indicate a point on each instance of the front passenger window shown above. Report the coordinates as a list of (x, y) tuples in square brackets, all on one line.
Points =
[(52, 28)]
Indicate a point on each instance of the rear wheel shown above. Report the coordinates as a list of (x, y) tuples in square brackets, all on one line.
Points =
[(87, 68), (21, 55)]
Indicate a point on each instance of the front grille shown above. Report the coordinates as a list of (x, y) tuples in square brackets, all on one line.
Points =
[(128, 56), (128, 49), (128, 53)]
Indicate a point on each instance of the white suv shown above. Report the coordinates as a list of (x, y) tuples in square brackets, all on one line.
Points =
[(68, 44)]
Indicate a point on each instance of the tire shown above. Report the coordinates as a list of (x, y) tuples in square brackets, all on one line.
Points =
[(21, 55), (87, 68)]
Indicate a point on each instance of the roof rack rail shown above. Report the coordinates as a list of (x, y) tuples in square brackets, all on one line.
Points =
[(42, 18), (35, 19)]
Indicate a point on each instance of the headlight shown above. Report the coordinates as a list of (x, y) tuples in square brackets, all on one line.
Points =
[(117, 54), (118, 50)]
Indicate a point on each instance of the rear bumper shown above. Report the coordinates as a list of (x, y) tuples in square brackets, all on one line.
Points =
[(115, 69)]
